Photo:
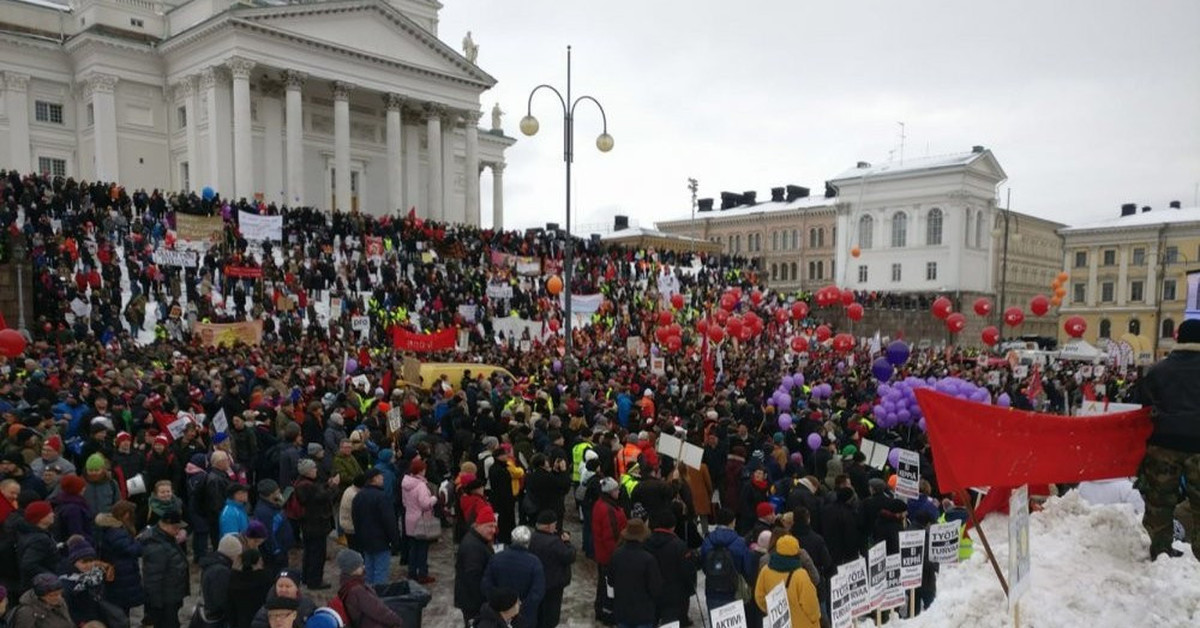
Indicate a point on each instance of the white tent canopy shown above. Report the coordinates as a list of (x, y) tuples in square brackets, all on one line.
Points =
[(1081, 351)]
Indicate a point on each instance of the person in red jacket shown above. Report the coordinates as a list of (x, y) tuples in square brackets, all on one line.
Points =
[(608, 520)]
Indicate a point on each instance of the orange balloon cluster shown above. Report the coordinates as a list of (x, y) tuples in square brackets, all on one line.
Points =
[(1059, 286)]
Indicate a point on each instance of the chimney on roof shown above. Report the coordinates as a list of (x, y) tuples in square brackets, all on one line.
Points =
[(620, 223), (1145, 208), (863, 165), (1128, 209), (795, 191), (977, 149), (730, 199), (777, 195), (1176, 205), (748, 197), (830, 190), (704, 204)]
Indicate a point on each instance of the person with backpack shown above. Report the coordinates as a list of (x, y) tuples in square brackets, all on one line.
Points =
[(784, 566), (725, 557), (676, 565), (197, 489), (356, 602), (269, 512), (37, 552)]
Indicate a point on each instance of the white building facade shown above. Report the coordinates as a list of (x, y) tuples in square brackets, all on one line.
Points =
[(347, 104)]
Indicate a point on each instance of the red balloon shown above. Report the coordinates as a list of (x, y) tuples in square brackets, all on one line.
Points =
[(675, 329), (728, 301), (1014, 316), (664, 318), (674, 344), (799, 344), (990, 335), (702, 326), (854, 311), (823, 333), (781, 316), (799, 310), (843, 343), (756, 296), (677, 301), (12, 343), (983, 306), (662, 334), (751, 319), (942, 307), (847, 296), (715, 334), (1074, 326), (734, 326), (956, 322), (737, 293), (553, 324), (1039, 305), (747, 332), (721, 317)]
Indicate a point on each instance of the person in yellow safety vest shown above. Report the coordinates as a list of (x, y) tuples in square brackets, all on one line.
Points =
[(966, 546), (631, 479), (583, 451)]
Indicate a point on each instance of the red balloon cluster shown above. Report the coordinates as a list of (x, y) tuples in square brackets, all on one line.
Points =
[(843, 343), (822, 333), (12, 343), (664, 318), (854, 311), (677, 301), (799, 344), (756, 296), (670, 336), (553, 324), (1074, 326), (799, 310), (781, 315)]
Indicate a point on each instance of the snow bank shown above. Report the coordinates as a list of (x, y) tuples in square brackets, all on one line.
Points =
[(1090, 567)]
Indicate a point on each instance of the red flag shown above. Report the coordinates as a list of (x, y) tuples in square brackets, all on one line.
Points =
[(412, 212), (710, 375), (1035, 383), (1089, 391), (976, 444)]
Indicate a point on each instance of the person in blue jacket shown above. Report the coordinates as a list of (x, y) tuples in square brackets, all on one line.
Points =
[(234, 519), (723, 535), (280, 538)]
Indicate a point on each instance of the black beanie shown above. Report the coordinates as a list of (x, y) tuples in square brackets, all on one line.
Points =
[(1189, 331)]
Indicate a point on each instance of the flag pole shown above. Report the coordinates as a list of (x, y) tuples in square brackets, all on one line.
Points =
[(983, 537)]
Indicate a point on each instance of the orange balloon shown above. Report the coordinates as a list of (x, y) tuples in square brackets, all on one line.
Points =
[(855, 252), (1062, 276), (1060, 292), (554, 285)]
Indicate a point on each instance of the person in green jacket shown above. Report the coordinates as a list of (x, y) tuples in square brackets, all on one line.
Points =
[(345, 464)]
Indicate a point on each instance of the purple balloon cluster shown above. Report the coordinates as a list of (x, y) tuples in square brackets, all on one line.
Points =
[(822, 391), (898, 406), (782, 397)]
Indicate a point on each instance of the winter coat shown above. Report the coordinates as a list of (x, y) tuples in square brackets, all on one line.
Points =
[(36, 552), (801, 595), (1176, 407), (374, 517), (418, 499), (234, 519), (117, 547), (216, 487), (701, 484), (83, 592), (247, 593), (653, 494), (720, 536), (305, 609), (289, 457), (164, 568), (72, 515), (638, 585), (677, 566), (363, 606), (802, 495), (840, 529), (347, 467), (32, 612), (470, 563), (489, 618), (279, 532), (215, 577), (520, 570), (818, 551), (344, 515), (605, 535), (547, 489), (101, 496), (556, 555), (317, 500)]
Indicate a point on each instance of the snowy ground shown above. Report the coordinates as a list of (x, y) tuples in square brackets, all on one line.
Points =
[(1090, 567)]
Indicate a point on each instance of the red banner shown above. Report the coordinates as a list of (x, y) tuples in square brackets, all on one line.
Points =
[(405, 340), (977, 444), (245, 272)]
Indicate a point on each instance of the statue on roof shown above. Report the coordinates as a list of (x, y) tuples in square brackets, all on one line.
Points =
[(470, 48), (496, 114)]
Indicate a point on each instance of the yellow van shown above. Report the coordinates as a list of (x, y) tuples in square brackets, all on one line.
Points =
[(424, 374)]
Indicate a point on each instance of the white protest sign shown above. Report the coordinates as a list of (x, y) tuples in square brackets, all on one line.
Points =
[(499, 291), (908, 475), (658, 365), (779, 615), (1021, 371), (177, 426), (219, 422), (894, 596), (693, 456), (1018, 544), (668, 445), (993, 378), (839, 602), (673, 624), (912, 558), (943, 542), (167, 257), (255, 227), (877, 573), (360, 323), (856, 576), (732, 615)]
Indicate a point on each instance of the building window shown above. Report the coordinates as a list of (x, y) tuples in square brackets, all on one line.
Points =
[(774, 272), (1110, 258), (1168, 290), (862, 273), (795, 268), (1135, 326), (774, 240), (51, 112), (1079, 293), (185, 175), (899, 230), (970, 227), (1080, 259), (933, 227), (821, 237), (1168, 328), (1105, 328), (53, 167), (795, 238), (1172, 255), (91, 115), (1136, 291), (931, 271), (895, 272), (979, 230), (1139, 257), (137, 22), (866, 232), (820, 270), (1106, 292), (181, 115)]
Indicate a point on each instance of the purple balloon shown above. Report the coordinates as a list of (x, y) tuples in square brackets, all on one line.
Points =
[(878, 411), (894, 457), (814, 441), (797, 458), (785, 401), (785, 422), (798, 379), (882, 369), (897, 352), (921, 424), (788, 382), (351, 366), (557, 366), (1004, 401), (903, 416)]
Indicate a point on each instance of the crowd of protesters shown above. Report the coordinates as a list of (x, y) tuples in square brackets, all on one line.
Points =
[(117, 478)]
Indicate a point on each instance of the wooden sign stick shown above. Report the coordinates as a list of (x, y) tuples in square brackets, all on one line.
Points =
[(983, 537)]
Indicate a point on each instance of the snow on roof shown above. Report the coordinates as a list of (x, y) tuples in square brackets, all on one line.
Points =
[(1154, 217), (911, 165), (807, 202), (637, 232), (58, 5)]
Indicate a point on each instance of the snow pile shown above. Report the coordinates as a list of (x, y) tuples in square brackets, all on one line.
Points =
[(1090, 567)]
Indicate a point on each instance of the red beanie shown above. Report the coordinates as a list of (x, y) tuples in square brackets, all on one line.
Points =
[(484, 514), (72, 484), (764, 509), (36, 511), (124, 436), (416, 466), (55, 443)]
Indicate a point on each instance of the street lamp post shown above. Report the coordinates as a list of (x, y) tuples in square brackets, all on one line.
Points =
[(18, 258), (530, 126), (1016, 237)]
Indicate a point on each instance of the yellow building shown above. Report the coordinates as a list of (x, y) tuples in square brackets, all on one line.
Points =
[(1128, 277), (1025, 268)]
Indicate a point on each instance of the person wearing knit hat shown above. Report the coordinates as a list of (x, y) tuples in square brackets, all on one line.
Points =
[(51, 455), (638, 590), (474, 554), (785, 566), (503, 606), (230, 547), (72, 484), (307, 467), (1173, 449), (349, 562), (80, 550), (282, 612), (95, 462), (322, 618)]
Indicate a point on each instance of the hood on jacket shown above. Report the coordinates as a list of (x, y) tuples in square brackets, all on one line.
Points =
[(658, 540), (62, 498), (193, 469), (106, 520), (214, 558), (723, 537)]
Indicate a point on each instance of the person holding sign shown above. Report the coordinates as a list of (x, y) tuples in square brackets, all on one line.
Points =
[(784, 566)]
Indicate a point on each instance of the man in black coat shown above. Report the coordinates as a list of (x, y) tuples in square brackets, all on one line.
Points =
[(36, 549), (548, 484), (840, 527), (517, 568), (555, 551), (653, 493), (676, 564), (637, 591), (316, 498), (374, 514), (474, 553), (804, 494), (814, 544), (165, 571)]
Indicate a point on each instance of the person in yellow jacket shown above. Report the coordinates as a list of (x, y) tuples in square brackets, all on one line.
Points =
[(784, 566)]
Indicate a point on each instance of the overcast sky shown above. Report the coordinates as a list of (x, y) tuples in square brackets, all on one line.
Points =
[(1086, 103)]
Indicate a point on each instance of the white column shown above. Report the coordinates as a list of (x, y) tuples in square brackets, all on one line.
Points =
[(471, 168), (498, 196), (295, 138), (16, 104), (451, 211), (395, 148), (271, 110), (104, 108), (220, 172), (187, 87), (243, 140), (341, 143), (411, 120), (433, 132)]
